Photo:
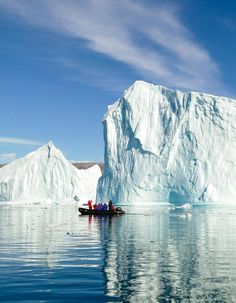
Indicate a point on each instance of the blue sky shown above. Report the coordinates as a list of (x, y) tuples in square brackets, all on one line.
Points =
[(62, 62)]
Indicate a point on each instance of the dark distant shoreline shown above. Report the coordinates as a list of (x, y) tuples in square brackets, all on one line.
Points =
[(81, 165), (86, 165)]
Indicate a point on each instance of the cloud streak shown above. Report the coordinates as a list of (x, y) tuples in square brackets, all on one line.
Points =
[(150, 39), (19, 141)]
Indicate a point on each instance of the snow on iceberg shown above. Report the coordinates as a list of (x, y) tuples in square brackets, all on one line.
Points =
[(46, 175), (162, 145)]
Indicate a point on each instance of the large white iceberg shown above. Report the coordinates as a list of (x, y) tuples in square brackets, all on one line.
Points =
[(46, 175), (162, 145)]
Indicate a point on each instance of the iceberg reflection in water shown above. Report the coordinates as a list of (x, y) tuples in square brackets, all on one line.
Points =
[(184, 256), (51, 254)]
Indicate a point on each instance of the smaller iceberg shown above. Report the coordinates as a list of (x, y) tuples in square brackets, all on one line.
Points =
[(46, 175)]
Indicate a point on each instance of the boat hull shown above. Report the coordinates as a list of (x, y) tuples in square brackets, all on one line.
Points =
[(85, 211)]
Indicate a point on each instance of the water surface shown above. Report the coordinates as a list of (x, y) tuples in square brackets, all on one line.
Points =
[(51, 254)]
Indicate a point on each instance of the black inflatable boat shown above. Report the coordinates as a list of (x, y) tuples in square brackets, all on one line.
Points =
[(86, 211)]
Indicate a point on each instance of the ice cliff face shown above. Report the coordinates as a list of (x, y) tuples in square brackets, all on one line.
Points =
[(47, 175), (167, 146)]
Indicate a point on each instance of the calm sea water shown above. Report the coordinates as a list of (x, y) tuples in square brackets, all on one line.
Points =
[(51, 254)]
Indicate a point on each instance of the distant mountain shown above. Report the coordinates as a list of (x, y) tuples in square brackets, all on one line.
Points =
[(86, 165)]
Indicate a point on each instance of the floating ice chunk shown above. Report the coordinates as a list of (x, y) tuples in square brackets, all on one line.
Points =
[(184, 206)]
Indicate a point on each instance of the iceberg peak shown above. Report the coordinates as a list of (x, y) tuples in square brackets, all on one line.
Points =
[(50, 144), (47, 147), (48, 151)]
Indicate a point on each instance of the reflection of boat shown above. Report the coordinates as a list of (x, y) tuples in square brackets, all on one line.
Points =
[(117, 211)]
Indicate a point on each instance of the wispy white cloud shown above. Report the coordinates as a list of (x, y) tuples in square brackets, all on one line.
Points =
[(19, 141), (151, 39), (8, 157)]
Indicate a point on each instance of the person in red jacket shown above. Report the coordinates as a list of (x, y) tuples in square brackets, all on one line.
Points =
[(90, 204)]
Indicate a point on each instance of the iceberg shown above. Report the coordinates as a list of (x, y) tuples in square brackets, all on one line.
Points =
[(46, 175), (163, 145)]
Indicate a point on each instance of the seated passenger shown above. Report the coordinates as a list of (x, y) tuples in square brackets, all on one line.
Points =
[(95, 206), (99, 207), (104, 206)]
